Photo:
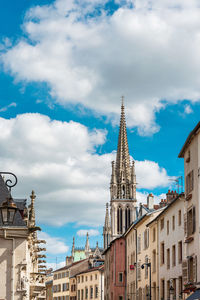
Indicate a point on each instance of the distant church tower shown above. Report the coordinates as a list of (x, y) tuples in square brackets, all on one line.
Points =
[(122, 189)]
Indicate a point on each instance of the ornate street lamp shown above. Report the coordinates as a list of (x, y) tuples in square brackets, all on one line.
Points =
[(8, 208)]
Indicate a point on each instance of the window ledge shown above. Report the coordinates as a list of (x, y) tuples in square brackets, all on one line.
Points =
[(189, 239), (189, 196)]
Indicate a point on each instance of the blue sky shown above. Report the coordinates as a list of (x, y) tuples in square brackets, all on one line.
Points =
[(64, 66)]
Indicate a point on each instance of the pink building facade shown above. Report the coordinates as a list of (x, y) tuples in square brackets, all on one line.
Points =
[(115, 270)]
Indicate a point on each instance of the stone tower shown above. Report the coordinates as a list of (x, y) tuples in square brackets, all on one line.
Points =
[(122, 185)]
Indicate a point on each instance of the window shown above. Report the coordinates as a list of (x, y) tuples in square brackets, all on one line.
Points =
[(120, 297), (55, 276), (162, 224), (119, 220), (179, 217), (189, 182), (78, 279), (180, 252), (154, 260), (59, 275), (146, 238), (96, 291), (162, 288), (139, 244), (139, 270), (167, 227), (82, 278), (191, 221), (180, 284), (162, 253), (85, 278), (91, 277), (86, 292), (82, 294), (154, 234), (79, 295), (95, 276), (173, 255), (173, 222), (146, 267), (120, 277), (168, 258), (91, 292)]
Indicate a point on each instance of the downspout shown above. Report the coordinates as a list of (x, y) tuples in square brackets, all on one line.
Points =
[(157, 267), (125, 270), (13, 263)]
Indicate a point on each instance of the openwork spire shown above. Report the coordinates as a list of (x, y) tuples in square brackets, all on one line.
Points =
[(123, 159)]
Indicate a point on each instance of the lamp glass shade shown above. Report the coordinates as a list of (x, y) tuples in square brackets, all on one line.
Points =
[(11, 215), (4, 212)]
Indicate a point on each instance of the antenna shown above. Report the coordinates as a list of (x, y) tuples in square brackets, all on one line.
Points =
[(179, 183)]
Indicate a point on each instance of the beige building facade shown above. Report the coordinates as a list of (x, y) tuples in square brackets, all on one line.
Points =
[(191, 154), (90, 284), (138, 253), (168, 230)]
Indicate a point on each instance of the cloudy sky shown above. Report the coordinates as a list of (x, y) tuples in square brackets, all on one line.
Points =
[(64, 66)]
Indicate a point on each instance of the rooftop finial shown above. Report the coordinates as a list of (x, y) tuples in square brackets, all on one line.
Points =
[(122, 98)]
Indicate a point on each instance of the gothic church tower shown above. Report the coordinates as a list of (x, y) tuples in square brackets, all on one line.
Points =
[(122, 187)]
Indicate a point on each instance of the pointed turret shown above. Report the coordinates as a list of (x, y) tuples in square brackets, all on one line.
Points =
[(32, 209), (87, 246), (106, 229), (123, 158), (73, 247)]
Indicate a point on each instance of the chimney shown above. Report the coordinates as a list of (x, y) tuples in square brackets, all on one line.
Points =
[(69, 260), (150, 201), (171, 195)]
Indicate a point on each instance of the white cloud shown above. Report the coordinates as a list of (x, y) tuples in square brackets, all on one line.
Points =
[(148, 51), (5, 108), (187, 109), (59, 161), (142, 197), (56, 266), (91, 232), (154, 175), (55, 245)]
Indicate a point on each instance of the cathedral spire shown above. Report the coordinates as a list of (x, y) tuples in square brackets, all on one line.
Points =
[(123, 159), (107, 223), (107, 229)]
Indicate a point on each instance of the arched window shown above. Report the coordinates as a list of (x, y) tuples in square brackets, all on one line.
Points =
[(127, 217), (123, 191), (119, 220)]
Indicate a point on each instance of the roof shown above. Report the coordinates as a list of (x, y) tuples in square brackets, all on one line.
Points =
[(119, 237), (91, 270), (189, 139), (71, 265), (166, 208)]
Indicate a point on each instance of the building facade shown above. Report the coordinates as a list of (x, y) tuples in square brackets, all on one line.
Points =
[(21, 262), (191, 154), (115, 270), (90, 284)]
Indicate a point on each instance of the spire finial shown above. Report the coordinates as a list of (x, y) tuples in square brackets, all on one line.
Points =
[(122, 99)]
